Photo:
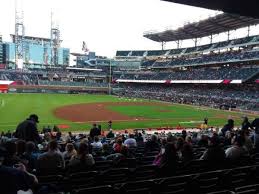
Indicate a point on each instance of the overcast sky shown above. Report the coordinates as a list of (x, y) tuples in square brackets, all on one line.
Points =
[(105, 25)]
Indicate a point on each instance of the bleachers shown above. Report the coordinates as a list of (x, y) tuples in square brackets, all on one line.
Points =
[(125, 180), (231, 73)]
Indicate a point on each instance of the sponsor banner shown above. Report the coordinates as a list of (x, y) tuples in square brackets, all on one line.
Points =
[(236, 82), (140, 81), (180, 81), (4, 82)]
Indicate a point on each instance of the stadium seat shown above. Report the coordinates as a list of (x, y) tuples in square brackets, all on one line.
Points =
[(112, 176), (81, 180), (174, 185), (107, 189), (206, 182), (222, 192), (143, 187), (103, 165), (145, 172)]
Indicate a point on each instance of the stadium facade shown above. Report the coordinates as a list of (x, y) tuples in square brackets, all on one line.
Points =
[(37, 53)]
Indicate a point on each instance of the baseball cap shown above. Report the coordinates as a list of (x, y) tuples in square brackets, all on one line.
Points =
[(34, 117)]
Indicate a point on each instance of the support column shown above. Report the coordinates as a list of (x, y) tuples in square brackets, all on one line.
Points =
[(195, 42), (163, 45), (178, 44), (211, 39), (228, 35)]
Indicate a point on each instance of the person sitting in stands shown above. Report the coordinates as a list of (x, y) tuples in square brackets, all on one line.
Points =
[(50, 161), (169, 160), (31, 155), (82, 161), (95, 131), (152, 144), (20, 148), (15, 179), (187, 153), (110, 134), (69, 153), (203, 142), (11, 158), (97, 144), (237, 150), (215, 152), (117, 147), (247, 140), (228, 138), (130, 142), (228, 127)]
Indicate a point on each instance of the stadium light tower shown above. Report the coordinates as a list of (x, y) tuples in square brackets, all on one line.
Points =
[(54, 41), (19, 37)]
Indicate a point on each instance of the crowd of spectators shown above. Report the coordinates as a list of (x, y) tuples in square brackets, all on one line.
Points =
[(245, 97), (27, 154), (57, 77), (228, 72)]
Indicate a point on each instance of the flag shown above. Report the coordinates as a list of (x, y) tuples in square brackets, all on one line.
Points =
[(84, 47)]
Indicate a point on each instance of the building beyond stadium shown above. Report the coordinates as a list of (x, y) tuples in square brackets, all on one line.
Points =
[(37, 53)]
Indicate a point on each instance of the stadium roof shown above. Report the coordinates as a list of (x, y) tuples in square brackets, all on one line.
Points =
[(213, 25), (240, 7)]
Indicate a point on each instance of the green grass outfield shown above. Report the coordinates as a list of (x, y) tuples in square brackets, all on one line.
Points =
[(14, 108)]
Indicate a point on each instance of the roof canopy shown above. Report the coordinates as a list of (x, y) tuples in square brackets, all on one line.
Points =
[(214, 25), (240, 7)]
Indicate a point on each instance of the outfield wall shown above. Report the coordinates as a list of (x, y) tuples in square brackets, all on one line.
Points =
[(55, 89)]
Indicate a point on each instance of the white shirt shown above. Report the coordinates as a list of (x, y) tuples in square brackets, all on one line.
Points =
[(130, 142), (235, 152), (97, 145)]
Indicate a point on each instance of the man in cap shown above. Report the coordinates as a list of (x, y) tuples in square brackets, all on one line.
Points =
[(27, 130)]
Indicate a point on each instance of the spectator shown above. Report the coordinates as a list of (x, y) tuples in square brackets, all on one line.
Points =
[(11, 158), (130, 142), (152, 145), (51, 161), (246, 125), (236, 151), (214, 153), (27, 130), (248, 144), (106, 150), (82, 161), (31, 155), (118, 146), (69, 153), (97, 144), (20, 148), (228, 127), (110, 134), (187, 153), (184, 134), (14, 179), (203, 142), (95, 131), (169, 160)]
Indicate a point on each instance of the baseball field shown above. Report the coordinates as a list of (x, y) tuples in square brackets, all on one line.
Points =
[(79, 112)]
